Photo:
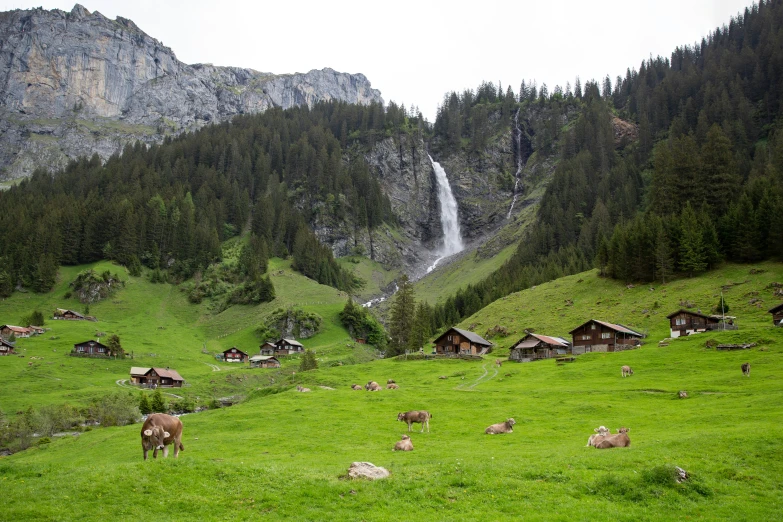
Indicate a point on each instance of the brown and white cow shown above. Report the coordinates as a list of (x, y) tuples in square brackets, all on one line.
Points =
[(391, 381), (372, 386), (411, 417), (618, 440), (600, 433), (160, 430), (392, 386), (356, 387), (626, 371), (501, 427), (746, 369), (498, 362), (404, 445), (301, 389)]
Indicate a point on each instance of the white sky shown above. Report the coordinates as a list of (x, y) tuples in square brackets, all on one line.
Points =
[(416, 51)]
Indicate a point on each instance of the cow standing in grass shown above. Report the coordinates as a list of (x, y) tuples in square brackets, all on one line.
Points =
[(159, 431), (411, 417), (626, 371), (746, 369)]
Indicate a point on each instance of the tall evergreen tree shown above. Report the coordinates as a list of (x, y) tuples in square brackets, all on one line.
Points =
[(402, 317)]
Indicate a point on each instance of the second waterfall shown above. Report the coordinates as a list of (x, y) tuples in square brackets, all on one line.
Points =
[(449, 219)]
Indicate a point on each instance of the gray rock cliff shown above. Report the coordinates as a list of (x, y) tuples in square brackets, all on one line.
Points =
[(77, 83)]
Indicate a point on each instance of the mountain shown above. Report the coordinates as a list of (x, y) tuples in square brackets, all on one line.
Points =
[(77, 83)]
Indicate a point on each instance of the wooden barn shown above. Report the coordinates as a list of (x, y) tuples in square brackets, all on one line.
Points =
[(533, 347), (156, 377), (288, 347), (6, 348), (685, 322), (461, 342), (264, 361), (235, 355), (68, 315), (18, 331), (267, 348), (600, 336), (91, 349), (777, 315)]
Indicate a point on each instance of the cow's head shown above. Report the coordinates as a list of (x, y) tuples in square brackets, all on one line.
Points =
[(155, 437), (405, 437), (400, 416), (601, 430), (623, 430), (511, 422)]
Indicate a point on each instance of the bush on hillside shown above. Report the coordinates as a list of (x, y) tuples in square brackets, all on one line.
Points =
[(117, 409), (91, 287)]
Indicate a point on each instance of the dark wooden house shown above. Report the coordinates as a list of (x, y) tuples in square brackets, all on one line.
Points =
[(685, 322), (264, 361), (267, 348), (156, 377), (533, 347), (235, 355), (91, 349), (19, 332), (461, 342), (6, 348), (600, 336), (68, 315), (777, 315), (288, 347)]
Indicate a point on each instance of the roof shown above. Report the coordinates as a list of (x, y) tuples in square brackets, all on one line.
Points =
[(138, 370), (291, 342), (20, 329), (776, 309), (237, 350), (472, 337), (172, 374), (616, 327), (531, 339), (259, 358), (684, 311), (3, 342), (74, 312), (94, 342)]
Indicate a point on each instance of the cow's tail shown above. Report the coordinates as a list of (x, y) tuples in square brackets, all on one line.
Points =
[(181, 447)]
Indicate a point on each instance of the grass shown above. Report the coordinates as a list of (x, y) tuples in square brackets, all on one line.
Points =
[(280, 455)]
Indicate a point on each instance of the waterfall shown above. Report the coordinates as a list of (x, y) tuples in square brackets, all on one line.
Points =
[(518, 174), (449, 219)]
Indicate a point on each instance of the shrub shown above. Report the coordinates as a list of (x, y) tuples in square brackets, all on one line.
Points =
[(117, 409)]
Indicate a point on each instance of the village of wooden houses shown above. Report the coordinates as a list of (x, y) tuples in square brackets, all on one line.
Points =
[(592, 336)]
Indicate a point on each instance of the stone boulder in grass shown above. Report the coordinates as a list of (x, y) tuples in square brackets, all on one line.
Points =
[(367, 470)]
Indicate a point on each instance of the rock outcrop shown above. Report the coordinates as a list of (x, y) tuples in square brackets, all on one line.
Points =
[(367, 470), (77, 83)]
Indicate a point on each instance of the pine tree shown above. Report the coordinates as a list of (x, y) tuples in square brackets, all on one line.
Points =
[(158, 404), (692, 255), (308, 361), (663, 255), (402, 317), (115, 347), (144, 404)]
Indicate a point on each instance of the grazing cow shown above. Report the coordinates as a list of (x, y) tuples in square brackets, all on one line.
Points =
[(498, 363), (391, 381), (746, 369), (160, 430), (501, 427), (391, 386), (600, 433), (356, 387), (626, 371), (303, 390), (404, 445), (618, 440), (372, 386), (682, 394), (410, 417)]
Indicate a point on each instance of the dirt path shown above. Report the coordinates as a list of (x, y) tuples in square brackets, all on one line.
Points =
[(215, 367), (123, 383), (481, 378)]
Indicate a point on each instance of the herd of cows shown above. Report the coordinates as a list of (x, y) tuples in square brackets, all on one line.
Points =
[(160, 430)]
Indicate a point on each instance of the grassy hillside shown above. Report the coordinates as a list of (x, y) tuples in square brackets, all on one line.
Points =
[(159, 327), (281, 455)]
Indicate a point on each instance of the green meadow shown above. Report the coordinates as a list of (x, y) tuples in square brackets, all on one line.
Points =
[(281, 454)]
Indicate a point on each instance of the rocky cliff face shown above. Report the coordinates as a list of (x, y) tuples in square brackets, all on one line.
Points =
[(75, 83)]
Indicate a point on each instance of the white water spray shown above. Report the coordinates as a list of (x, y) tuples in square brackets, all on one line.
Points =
[(518, 174), (449, 219)]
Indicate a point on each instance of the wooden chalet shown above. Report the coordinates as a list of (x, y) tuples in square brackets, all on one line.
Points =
[(684, 322), (268, 348), (68, 315), (288, 347), (461, 342), (19, 332), (264, 361), (533, 347), (235, 355), (156, 377), (777, 315), (91, 349), (37, 330), (600, 336), (6, 348)]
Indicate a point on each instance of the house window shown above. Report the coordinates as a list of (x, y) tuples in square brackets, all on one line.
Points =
[(679, 321), (448, 338), (100, 349), (592, 326), (80, 348), (586, 337), (606, 335)]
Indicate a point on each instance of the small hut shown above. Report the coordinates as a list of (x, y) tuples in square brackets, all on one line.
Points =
[(6, 348), (264, 361), (288, 347), (777, 315), (91, 348), (155, 377), (68, 315), (461, 342), (19, 332), (601, 336), (267, 348), (235, 355), (534, 347)]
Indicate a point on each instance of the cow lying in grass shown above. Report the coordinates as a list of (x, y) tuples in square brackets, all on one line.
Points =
[(301, 389), (411, 417), (391, 381), (618, 440), (404, 445), (392, 386), (372, 386), (502, 427), (600, 433), (160, 430), (356, 387)]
